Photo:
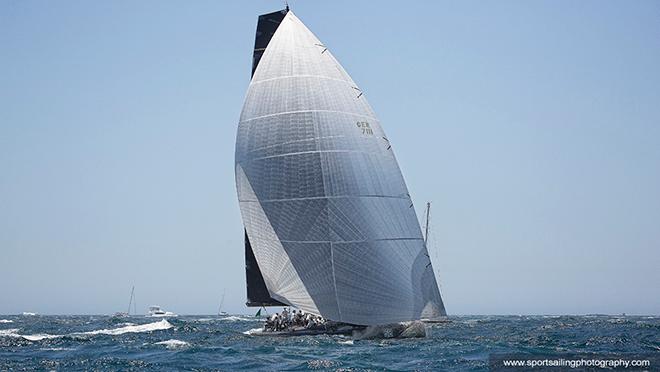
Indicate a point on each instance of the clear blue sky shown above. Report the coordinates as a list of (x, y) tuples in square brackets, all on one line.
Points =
[(532, 126)]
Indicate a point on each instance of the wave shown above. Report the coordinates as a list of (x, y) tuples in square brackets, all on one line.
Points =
[(39, 336), (6, 321), (8, 332), (156, 326), (14, 333), (173, 344), (149, 327)]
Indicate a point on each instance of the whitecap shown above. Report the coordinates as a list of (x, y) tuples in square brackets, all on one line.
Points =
[(6, 321), (39, 336), (347, 342), (9, 332), (156, 326), (173, 344), (149, 327)]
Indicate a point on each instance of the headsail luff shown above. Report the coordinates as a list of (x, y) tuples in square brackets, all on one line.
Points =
[(324, 204)]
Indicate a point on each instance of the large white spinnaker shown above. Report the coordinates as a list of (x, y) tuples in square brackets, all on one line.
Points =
[(325, 207)]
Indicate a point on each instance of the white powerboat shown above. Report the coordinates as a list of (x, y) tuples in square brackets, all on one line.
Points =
[(156, 311)]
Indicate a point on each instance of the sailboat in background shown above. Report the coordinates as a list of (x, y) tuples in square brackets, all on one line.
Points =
[(222, 301), (427, 228), (131, 301)]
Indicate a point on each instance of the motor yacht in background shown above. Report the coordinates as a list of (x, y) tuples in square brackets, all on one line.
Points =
[(156, 312)]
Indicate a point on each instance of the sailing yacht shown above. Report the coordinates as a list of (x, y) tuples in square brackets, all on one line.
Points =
[(427, 229), (131, 301), (329, 224), (222, 301)]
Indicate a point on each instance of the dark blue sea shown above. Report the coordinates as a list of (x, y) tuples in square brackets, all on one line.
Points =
[(92, 342)]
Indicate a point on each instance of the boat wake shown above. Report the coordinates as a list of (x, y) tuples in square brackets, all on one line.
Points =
[(412, 329), (149, 327)]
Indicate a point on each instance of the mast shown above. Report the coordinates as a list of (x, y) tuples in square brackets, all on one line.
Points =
[(130, 301), (426, 227), (222, 301)]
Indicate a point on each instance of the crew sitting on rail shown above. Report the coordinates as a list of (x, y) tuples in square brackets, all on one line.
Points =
[(283, 321), (298, 318)]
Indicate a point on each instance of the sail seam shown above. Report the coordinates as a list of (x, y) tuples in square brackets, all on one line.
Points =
[(322, 197), (350, 241), (309, 152), (290, 143), (298, 76), (302, 111)]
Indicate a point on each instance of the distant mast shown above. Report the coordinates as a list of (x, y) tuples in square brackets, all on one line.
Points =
[(130, 301), (426, 227), (222, 301)]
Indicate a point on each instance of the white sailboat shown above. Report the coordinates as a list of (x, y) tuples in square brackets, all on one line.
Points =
[(131, 301), (442, 318), (330, 226), (222, 301)]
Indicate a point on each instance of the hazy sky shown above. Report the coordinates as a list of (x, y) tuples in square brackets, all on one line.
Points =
[(532, 126)]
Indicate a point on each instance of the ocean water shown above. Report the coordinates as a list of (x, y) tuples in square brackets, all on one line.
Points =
[(93, 342)]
